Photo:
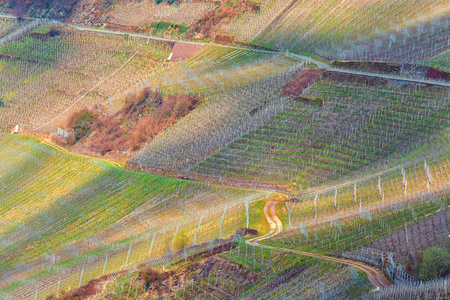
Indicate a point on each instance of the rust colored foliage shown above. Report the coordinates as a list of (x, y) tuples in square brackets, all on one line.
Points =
[(146, 115)]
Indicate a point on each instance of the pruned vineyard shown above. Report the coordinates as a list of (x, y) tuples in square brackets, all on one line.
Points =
[(357, 125), (402, 211), (221, 118), (48, 196), (218, 69), (268, 149), (52, 71), (325, 26)]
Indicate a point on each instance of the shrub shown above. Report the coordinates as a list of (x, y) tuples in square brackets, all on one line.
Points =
[(146, 129), (152, 277), (181, 241), (82, 123), (436, 262)]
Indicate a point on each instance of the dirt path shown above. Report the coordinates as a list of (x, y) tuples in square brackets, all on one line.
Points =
[(276, 226), (52, 144)]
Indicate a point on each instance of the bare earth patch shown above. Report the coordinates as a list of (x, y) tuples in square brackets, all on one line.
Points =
[(183, 51), (301, 81)]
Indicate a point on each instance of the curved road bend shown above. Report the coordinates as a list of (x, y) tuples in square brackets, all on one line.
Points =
[(276, 226)]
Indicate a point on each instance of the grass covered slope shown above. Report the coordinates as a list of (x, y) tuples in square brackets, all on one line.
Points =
[(61, 211), (339, 125), (441, 61)]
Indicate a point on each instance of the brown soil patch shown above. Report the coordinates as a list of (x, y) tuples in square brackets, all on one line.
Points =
[(437, 74), (212, 267), (183, 51), (395, 69), (388, 68), (355, 79), (90, 289), (301, 81)]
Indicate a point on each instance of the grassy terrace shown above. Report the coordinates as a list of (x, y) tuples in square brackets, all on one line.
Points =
[(343, 234), (363, 210), (357, 126), (59, 210)]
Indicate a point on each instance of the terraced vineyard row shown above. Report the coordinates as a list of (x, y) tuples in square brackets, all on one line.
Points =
[(363, 211), (248, 272), (218, 69), (413, 43), (323, 25), (441, 61), (218, 120), (357, 125), (61, 214), (45, 76)]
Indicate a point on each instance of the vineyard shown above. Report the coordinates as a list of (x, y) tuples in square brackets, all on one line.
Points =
[(403, 211), (418, 43), (48, 196), (249, 273), (442, 61), (139, 14), (38, 67), (235, 149), (218, 69), (326, 26), (358, 125), (218, 120)]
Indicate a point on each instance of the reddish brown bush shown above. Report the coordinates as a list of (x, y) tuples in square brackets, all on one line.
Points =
[(145, 116)]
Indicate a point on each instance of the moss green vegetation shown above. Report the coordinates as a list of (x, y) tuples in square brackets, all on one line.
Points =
[(82, 124), (436, 262), (163, 26), (441, 61)]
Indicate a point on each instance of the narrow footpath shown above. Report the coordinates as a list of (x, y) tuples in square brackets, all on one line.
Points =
[(276, 226)]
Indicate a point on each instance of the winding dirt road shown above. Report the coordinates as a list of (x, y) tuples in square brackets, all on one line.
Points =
[(276, 226)]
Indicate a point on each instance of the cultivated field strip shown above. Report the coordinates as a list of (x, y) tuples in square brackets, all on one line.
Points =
[(217, 121), (44, 75), (216, 69), (415, 43), (441, 61), (366, 211), (50, 199), (357, 126), (263, 274), (328, 26)]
